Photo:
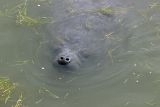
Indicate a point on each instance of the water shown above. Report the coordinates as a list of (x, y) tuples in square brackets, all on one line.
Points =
[(128, 76)]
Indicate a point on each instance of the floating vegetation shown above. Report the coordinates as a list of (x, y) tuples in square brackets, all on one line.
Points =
[(147, 13), (4, 13), (23, 18), (111, 11), (42, 1), (6, 89), (11, 11), (106, 11), (23, 62), (48, 92), (20, 13), (110, 55), (151, 103), (155, 5), (19, 102)]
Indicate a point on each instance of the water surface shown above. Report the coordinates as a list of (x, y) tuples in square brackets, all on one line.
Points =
[(128, 76)]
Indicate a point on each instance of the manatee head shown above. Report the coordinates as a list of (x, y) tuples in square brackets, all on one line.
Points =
[(80, 40)]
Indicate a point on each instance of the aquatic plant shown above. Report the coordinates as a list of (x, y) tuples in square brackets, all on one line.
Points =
[(19, 102), (4, 13), (48, 92), (110, 55), (10, 11), (155, 5), (23, 18), (111, 11), (20, 13), (42, 1), (106, 11), (6, 89)]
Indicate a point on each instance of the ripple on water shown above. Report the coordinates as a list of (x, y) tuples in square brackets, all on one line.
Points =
[(103, 69)]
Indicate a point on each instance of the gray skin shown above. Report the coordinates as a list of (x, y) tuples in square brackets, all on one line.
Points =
[(77, 38), (80, 40), (66, 8)]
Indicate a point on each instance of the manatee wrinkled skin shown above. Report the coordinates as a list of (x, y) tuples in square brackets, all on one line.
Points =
[(80, 41)]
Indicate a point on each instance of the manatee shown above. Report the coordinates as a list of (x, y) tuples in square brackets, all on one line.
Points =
[(80, 41), (78, 37)]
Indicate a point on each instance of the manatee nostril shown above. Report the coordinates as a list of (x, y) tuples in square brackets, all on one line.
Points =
[(61, 58), (67, 59)]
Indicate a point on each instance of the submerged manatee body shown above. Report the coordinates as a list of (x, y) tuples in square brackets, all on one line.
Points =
[(80, 40), (87, 42), (79, 35)]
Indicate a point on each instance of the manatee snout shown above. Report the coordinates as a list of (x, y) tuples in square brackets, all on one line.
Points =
[(63, 60), (68, 58)]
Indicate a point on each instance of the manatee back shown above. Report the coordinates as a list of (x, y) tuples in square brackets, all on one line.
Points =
[(65, 8)]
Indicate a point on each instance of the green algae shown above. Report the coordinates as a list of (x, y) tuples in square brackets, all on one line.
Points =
[(6, 89), (19, 102), (111, 11), (19, 13), (23, 18), (106, 11)]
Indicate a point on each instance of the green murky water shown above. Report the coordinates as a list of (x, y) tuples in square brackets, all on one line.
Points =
[(129, 78)]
